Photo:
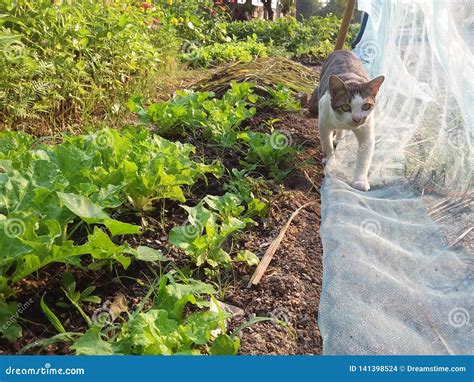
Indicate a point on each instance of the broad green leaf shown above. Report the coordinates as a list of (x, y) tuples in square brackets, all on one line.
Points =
[(198, 326), (82, 207), (90, 343), (225, 345), (150, 254), (91, 213), (9, 327), (100, 246), (248, 257), (117, 228), (154, 333), (174, 296)]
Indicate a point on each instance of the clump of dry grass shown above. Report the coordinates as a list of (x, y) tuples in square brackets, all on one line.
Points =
[(263, 72)]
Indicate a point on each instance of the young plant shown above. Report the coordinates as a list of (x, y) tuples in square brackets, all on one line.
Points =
[(210, 224), (282, 98), (52, 192), (75, 297), (271, 153), (200, 112), (166, 328), (219, 53)]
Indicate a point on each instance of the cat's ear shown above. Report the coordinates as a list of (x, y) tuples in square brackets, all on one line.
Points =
[(336, 86), (372, 87)]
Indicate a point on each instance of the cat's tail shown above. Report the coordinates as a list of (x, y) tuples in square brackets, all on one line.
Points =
[(313, 104)]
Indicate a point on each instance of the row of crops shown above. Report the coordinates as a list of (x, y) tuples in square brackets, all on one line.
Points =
[(64, 201), (89, 164)]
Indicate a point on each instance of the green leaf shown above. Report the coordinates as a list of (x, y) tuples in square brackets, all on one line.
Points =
[(52, 318), (68, 281), (150, 254), (100, 246), (199, 325), (91, 213), (82, 207), (120, 228), (253, 98), (154, 333), (248, 257), (92, 299), (9, 327), (225, 345), (90, 343), (174, 296), (86, 292)]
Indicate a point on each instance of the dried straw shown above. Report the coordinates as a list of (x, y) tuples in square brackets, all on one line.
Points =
[(263, 72)]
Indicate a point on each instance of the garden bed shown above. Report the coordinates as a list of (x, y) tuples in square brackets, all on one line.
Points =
[(289, 291)]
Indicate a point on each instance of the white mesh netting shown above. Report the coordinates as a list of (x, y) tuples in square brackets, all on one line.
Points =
[(398, 260)]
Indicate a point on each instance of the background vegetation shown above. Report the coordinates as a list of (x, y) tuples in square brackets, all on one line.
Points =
[(103, 141), (69, 64)]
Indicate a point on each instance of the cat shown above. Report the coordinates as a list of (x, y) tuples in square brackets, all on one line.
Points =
[(345, 101)]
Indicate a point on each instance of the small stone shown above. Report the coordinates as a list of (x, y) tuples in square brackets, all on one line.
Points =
[(303, 321)]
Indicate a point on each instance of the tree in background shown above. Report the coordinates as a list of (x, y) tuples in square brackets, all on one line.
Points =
[(237, 12), (308, 8), (287, 7)]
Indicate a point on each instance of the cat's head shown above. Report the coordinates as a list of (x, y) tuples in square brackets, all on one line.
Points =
[(353, 102)]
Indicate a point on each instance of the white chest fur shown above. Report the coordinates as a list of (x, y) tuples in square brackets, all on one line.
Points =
[(331, 123)]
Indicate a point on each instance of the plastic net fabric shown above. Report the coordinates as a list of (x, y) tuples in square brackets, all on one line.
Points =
[(398, 260)]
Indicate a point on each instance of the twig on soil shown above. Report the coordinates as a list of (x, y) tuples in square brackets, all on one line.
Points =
[(310, 181), (267, 258), (462, 236), (446, 212)]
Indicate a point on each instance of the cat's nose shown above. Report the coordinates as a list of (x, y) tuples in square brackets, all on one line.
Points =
[(356, 120)]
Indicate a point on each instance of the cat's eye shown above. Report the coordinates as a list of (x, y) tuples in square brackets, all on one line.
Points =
[(366, 106), (346, 107)]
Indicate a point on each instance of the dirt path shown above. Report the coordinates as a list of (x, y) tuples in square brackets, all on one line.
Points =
[(291, 286)]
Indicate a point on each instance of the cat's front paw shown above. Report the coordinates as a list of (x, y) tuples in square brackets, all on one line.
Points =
[(362, 185)]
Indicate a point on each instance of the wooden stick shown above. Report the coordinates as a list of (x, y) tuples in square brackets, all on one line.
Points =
[(462, 236), (310, 181), (341, 37), (450, 207), (265, 262)]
